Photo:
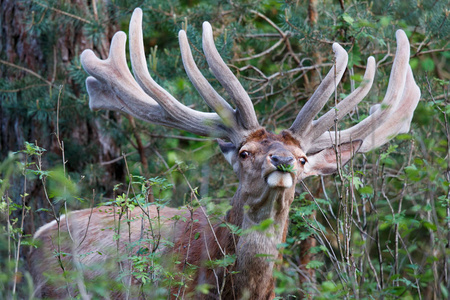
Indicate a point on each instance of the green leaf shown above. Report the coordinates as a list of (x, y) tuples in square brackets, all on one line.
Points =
[(314, 264), (441, 82), (414, 63), (385, 21), (286, 168), (61, 186), (357, 77), (318, 249), (444, 290), (329, 286), (428, 64), (412, 173), (348, 19), (264, 225), (366, 190), (203, 288), (43, 209), (397, 290), (429, 225), (357, 183)]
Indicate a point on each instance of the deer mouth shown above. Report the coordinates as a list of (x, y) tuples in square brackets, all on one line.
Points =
[(280, 179)]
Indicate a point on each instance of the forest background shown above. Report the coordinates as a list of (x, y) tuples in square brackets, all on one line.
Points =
[(380, 229)]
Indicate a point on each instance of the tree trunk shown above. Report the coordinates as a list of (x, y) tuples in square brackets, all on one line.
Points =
[(40, 101)]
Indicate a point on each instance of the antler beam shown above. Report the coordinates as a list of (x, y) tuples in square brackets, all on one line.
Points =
[(391, 117), (303, 122), (231, 84), (111, 86)]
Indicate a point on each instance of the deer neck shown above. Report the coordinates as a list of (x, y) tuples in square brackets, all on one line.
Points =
[(270, 203), (256, 250)]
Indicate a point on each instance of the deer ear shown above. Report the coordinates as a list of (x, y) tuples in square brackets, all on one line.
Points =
[(324, 162), (228, 150)]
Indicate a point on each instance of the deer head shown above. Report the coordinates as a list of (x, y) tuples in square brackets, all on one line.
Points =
[(268, 165)]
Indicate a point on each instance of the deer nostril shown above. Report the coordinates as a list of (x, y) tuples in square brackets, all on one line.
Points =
[(277, 160)]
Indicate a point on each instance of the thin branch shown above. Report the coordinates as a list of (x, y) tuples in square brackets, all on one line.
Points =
[(25, 70), (63, 13), (267, 51), (22, 89)]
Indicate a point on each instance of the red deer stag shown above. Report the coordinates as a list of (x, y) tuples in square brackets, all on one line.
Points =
[(266, 189)]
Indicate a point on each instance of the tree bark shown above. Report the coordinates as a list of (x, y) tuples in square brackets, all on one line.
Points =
[(35, 69)]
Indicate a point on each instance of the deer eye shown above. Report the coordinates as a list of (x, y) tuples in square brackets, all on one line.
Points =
[(244, 154), (302, 160)]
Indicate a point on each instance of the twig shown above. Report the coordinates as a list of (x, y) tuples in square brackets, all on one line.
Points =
[(63, 13), (180, 137), (267, 51), (203, 211), (318, 206), (26, 70), (20, 233), (22, 89), (285, 35), (89, 219), (214, 271), (139, 146), (104, 163)]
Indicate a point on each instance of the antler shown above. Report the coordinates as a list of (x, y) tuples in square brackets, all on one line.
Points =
[(111, 86), (391, 117)]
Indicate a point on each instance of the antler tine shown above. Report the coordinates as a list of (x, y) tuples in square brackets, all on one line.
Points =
[(208, 93), (115, 82), (304, 119), (324, 123), (113, 87), (137, 54), (404, 112), (245, 111), (393, 116), (116, 60)]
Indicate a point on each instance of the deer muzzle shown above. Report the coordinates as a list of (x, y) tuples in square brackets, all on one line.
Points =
[(283, 171), (282, 161)]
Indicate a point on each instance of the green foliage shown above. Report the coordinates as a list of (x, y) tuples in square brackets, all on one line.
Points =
[(286, 168), (381, 226)]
